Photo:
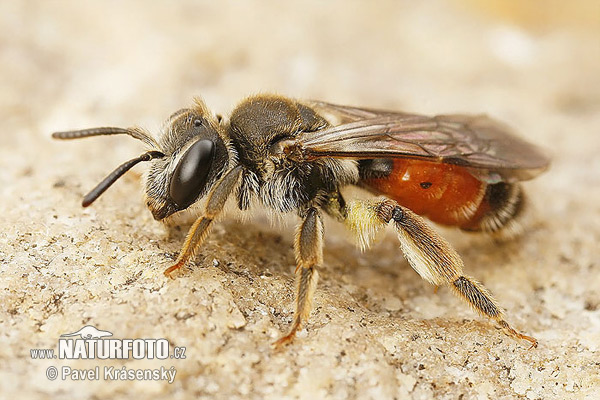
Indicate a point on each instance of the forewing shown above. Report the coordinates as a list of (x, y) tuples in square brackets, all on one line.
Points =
[(488, 148)]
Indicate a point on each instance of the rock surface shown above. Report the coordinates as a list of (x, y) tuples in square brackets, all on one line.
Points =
[(377, 330)]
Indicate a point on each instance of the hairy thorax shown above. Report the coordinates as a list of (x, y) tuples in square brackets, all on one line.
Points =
[(257, 128), (309, 184)]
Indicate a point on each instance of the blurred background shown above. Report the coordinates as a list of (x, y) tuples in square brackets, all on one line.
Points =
[(63, 63), (72, 64)]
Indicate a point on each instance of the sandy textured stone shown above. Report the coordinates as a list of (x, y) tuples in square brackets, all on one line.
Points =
[(377, 330)]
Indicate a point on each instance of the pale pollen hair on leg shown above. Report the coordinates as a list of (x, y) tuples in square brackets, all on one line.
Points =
[(436, 261), (428, 253), (362, 221)]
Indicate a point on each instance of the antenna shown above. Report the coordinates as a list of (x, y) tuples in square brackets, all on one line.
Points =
[(135, 133), (116, 174)]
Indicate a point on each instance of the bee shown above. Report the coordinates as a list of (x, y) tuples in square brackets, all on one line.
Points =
[(296, 157)]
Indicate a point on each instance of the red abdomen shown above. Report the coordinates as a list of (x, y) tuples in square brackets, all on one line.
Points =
[(445, 193)]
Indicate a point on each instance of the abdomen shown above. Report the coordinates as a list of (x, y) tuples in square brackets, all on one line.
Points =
[(445, 193)]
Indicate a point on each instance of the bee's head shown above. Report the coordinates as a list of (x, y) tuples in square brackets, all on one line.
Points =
[(187, 160), (195, 157)]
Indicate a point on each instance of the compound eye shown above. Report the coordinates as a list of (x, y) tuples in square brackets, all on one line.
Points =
[(191, 174)]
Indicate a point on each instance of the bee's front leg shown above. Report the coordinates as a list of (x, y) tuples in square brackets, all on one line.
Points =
[(308, 248), (199, 230)]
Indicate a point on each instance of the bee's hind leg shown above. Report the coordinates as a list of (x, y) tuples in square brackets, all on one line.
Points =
[(308, 248), (428, 253)]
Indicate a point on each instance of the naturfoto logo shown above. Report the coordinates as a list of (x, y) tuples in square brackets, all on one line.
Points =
[(90, 342)]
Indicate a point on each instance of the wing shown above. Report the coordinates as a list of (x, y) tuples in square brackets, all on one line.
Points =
[(488, 148)]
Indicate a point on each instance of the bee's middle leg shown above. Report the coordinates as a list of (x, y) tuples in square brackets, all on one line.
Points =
[(308, 249)]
